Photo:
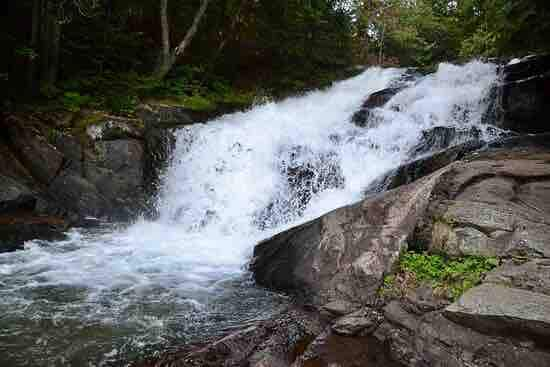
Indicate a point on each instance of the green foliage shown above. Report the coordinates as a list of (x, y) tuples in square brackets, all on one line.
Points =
[(26, 52), (284, 46), (123, 104), (481, 43), (451, 277), (425, 32), (198, 103), (74, 101)]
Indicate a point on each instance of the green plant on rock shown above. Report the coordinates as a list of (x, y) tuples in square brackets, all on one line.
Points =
[(449, 277)]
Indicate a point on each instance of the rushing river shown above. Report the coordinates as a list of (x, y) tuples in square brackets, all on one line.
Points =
[(109, 295)]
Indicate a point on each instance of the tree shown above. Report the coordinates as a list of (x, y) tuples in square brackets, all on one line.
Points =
[(168, 57), (48, 18)]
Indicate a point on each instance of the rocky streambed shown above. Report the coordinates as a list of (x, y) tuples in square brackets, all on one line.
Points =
[(475, 200), (353, 301)]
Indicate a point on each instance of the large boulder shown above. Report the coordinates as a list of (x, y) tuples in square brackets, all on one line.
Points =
[(73, 197), (115, 168), (41, 158), (344, 254), (494, 205)]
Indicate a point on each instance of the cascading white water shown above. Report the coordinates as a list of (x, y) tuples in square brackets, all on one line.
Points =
[(232, 182)]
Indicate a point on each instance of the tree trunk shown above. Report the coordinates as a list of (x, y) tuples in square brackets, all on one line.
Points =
[(231, 27), (164, 63), (50, 43), (44, 39), (168, 58), (35, 34), (55, 40)]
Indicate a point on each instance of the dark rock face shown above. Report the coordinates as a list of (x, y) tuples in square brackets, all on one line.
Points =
[(293, 338), (442, 137), (377, 99), (159, 142), (364, 116), (306, 174), (116, 169), (14, 195), (41, 158), (525, 95)]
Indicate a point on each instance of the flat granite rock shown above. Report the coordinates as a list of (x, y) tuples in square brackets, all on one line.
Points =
[(494, 308), (532, 275)]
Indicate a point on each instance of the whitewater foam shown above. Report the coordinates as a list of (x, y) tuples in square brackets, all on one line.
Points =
[(233, 182)]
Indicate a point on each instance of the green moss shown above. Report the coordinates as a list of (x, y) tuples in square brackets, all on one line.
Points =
[(449, 277), (198, 103), (237, 98)]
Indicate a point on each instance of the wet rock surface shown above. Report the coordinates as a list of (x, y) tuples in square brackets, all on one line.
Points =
[(525, 95)]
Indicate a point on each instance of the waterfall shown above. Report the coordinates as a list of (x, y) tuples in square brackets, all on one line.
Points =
[(103, 294)]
